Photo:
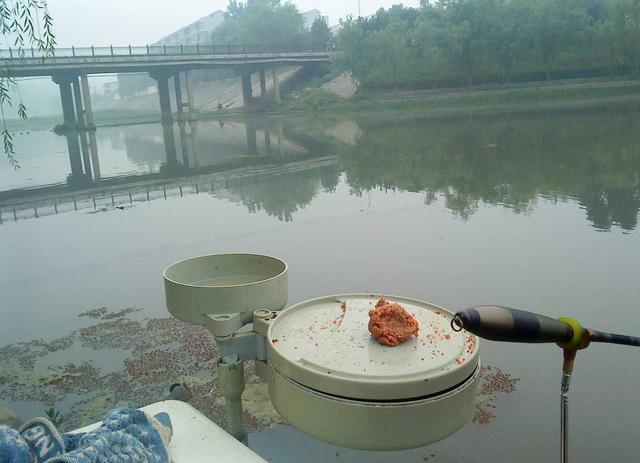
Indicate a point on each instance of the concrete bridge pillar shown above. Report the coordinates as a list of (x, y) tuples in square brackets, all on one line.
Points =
[(165, 100), (183, 142), (66, 97), (190, 105), (280, 134), (77, 98), (75, 160), (95, 162), (252, 143), (276, 86), (247, 93), (263, 85), (170, 144), (267, 139), (83, 153), (178, 91), (90, 125), (194, 141), (163, 93), (162, 77), (84, 149), (67, 105), (80, 120), (86, 97)]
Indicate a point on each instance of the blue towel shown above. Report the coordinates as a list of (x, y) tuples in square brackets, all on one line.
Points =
[(126, 434), (13, 447)]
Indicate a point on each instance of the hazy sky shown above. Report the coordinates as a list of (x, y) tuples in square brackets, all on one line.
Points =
[(121, 22)]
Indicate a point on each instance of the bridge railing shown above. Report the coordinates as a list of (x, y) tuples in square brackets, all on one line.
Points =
[(160, 50)]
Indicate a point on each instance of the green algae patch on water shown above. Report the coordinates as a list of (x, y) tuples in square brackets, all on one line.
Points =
[(132, 362), (123, 361)]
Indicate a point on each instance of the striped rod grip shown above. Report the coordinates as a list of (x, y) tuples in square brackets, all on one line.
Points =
[(498, 323)]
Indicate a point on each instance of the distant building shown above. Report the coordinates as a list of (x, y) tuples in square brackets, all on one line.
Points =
[(310, 17), (197, 32), (335, 28)]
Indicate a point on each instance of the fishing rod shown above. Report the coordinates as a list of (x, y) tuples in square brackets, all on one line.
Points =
[(498, 323)]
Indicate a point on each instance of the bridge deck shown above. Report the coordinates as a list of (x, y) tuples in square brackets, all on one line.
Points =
[(91, 60)]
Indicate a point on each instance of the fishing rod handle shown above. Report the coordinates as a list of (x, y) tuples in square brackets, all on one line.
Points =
[(612, 338), (498, 323)]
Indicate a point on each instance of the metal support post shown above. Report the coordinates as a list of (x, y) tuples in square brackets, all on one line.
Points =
[(564, 418), (231, 384)]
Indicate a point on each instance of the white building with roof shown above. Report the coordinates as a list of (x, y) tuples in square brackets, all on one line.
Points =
[(310, 17), (197, 32)]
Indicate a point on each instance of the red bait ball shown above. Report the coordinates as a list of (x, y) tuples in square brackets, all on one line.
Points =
[(390, 324)]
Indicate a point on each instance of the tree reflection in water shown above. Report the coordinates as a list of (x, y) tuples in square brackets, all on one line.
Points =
[(508, 159), (586, 156), (281, 196)]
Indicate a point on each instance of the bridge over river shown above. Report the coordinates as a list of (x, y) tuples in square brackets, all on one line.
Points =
[(70, 68)]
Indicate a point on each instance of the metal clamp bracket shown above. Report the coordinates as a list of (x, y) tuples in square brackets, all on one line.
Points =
[(232, 341)]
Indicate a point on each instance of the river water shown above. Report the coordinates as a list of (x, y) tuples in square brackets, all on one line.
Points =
[(531, 209)]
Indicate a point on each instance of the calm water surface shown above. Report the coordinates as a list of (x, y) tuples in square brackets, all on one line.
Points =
[(532, 210)]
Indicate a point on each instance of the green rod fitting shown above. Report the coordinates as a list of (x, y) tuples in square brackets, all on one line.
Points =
[(578, 334)]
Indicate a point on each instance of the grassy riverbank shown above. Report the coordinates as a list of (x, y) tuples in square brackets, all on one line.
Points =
[(562, 94), (102, 119)]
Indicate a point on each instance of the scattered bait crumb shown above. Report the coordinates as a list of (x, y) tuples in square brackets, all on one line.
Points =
[(338, 321), (494, 382), (483, 416)]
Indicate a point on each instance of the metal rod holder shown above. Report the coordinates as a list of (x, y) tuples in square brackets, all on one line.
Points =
[(234, 347), (564, 418), (231, 384)]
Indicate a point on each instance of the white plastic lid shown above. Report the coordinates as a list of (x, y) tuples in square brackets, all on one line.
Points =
[(323, 347)]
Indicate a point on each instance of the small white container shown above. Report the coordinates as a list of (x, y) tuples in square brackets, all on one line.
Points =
[(329, 378), (224, 284)]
